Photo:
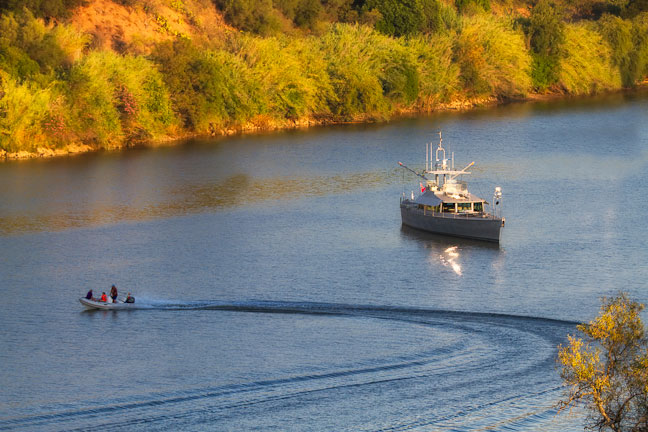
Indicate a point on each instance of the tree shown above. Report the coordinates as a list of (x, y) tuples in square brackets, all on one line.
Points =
[(307, 12), (399, 17), (251, 15), (546, 33), (608, 368)]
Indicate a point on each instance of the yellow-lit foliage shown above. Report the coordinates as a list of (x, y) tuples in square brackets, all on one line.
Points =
[(23, 108), (70, 41), (292, 75), (438, 73), (493, 57), (587, 65), (114, 98), (608, 369)]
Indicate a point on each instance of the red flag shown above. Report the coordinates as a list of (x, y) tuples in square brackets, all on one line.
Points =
[(422, 187)]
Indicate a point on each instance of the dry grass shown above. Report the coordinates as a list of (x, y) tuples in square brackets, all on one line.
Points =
[(135, 29)]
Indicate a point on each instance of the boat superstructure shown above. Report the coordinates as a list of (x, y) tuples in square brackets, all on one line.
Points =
[(445, 206)]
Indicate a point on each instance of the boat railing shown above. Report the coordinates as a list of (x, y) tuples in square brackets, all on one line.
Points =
[(452, 215)]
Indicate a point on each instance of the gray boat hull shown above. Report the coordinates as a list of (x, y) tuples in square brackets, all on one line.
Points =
[(473, 227)]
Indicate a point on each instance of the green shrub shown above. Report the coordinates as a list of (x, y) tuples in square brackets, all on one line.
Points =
[(493, 58), (257, 16), (23, 109), (42, 8), (619, 35), (307, 13), (471, 7), (587, 64), (30, 49), (546, 38), (438, 74), (399, 17), (640, 40), (115, 99), (291, 74), (209, 88), (370, 73), (439, 17)]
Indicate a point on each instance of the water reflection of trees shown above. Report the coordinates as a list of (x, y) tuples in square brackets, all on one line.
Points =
[(234, 191)]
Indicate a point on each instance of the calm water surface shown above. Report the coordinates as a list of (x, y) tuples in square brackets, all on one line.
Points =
[(278, 290)]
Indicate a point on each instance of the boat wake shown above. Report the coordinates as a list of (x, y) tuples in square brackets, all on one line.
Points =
[(466, 371)]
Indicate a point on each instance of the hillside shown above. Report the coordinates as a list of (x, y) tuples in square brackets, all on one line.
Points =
[(81, 75)]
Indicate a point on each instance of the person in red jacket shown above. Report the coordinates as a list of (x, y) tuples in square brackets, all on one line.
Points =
[(103, 297)]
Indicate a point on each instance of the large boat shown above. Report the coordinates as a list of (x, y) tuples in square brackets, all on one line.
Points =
[(445, 206)]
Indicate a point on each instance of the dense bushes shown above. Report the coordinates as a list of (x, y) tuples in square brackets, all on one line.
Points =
[(493, 58), (586, 66), (24, 109), (546, 38), (209, 88), (366, 70), (114, 99), (56, 89)]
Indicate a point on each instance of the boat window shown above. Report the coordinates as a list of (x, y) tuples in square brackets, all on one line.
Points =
[(478, 207), (463, 207), (449, 207)]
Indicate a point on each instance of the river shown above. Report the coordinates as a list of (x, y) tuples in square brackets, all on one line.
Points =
[(278, 290)]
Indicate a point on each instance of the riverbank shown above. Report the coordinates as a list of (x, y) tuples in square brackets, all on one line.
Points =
[(258, 124), (108, 76), (264, 123)]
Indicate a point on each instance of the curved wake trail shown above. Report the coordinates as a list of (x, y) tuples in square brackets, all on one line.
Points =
[(503, 361)]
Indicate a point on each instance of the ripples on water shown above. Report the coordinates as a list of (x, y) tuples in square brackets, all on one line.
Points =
[(441, 369), (277, 289)]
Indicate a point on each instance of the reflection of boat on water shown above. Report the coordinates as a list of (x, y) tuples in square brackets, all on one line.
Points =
[(441, 242), (453, 253), (446, 207)]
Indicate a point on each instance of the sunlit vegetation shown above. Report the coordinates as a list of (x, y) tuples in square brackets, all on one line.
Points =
[(587, 64), (163, 68), (606, 369), (492, 57)]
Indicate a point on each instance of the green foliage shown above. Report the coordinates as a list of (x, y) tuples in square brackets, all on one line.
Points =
[(370, 73), (586, 66), (546, 29), (607, 368), (640, 40), (409, 17), (257, 16), (438, 74), (114, 98), (23, 109), (292, 75), (634, 8), (471, 7), (619, 35), (493, 58), (399, 17), (404, 54), (208, 88), (307, 12), (42, 8), (546, 38), (439, 17), (545, 71), (352, 66)]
